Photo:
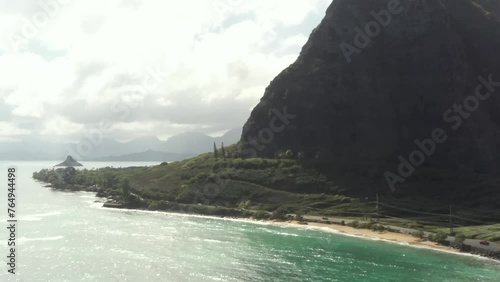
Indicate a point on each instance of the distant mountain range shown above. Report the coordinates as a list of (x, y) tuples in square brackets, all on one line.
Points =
[(150, 155), (177, 147)]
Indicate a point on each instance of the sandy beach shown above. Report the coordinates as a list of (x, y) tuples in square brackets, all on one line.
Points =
[(388, 236), (397, 238)]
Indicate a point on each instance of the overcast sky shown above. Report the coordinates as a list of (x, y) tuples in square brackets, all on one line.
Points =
[(142, 67)]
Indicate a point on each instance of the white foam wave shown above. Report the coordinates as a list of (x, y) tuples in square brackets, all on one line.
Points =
[(307, 227), (38, 217), (25, 239)]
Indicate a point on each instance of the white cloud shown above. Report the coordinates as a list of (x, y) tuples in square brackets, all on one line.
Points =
[(184, 65), (8, 129)]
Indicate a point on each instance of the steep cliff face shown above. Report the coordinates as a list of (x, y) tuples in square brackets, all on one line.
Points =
[(377, 74), (490, 6)]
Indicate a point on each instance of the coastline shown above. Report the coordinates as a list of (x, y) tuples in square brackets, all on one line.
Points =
[(400, 238), (391, 237)]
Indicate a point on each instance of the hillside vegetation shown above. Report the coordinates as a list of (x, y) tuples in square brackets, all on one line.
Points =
[(251, 184), (234, 186)]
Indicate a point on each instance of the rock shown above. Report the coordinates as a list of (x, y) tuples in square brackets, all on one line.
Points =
[(69, 162), (371, 105), (490, 6), (113, 205)]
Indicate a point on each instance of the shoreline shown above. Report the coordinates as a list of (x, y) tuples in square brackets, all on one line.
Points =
[(390, 237), (401, 239)]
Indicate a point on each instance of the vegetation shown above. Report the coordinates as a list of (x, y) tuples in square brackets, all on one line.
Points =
[(282, 212), (354, 224), (439, 237), (287, 185), (484, 232), (459, 239), (418, 234), (260, 215), (282, 185)]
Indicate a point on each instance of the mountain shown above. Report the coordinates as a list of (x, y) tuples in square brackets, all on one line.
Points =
[(150, 155), (175, 148), (386, 81), (192, 142), (198, 143), (491, 6), (147, 143), (32, 149), (230, 137)]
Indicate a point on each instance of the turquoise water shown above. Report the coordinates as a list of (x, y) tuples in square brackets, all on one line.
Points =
[(67, 237)]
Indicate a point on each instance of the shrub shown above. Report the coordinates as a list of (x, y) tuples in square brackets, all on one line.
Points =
[(377, 227), (244, 204), (342, 223), (154, 206), (392, 230), (439, 237), (280, 213), (418, 234), (459, 239), (368, 225), (354, 224), (261, 215)]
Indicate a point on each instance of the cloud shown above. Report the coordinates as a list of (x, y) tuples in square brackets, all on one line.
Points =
[(151, 67)]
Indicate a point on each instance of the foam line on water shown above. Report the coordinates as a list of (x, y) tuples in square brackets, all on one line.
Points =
[(315, 228)]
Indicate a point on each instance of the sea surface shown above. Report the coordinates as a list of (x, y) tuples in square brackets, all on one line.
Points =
[(64, 236)]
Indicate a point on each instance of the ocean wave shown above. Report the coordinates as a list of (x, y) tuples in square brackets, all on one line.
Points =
[(25, 239), (405, 244), (307, 227), (37, 217)]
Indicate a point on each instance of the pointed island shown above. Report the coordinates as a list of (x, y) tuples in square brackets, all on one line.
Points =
[(69, 162)]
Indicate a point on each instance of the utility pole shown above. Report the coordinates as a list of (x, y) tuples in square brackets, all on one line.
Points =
[(377, 209), (451, 223)]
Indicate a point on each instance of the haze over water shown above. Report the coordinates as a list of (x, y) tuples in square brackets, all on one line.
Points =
[(67, 237)]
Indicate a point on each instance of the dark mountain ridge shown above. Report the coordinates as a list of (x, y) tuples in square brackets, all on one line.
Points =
[(366, 99)]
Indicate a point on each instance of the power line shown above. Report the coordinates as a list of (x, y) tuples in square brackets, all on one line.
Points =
[(475, 209), (412, 211), (451, 222), (450, 215)]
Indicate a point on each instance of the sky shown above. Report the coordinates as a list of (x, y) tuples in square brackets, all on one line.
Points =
[(133, 68)]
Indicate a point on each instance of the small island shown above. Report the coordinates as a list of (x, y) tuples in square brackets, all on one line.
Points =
[(69, 162)]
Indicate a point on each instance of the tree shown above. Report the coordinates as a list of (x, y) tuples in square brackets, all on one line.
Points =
[(69, 174), (280, 213), (459, 239), (439, 237), (223, 151), (215, 151), (354, 224), (125, 186)]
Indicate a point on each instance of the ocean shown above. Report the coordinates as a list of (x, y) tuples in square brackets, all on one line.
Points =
[(67, 236)]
